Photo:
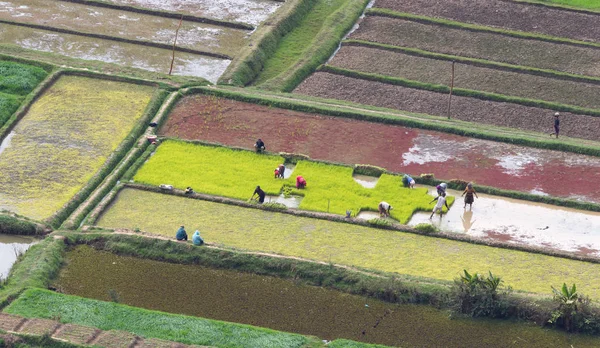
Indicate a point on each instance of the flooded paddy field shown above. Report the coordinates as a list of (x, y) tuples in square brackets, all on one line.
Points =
[(284, 305), (10, 248), (245, 11), (342, 243), (136, 56), (520, 222), (64, 139), (395, 148), (128, 25)]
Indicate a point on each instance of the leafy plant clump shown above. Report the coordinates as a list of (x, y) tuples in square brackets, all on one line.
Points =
[(479, 296), (236, 173), (16, 81), (426, 228)]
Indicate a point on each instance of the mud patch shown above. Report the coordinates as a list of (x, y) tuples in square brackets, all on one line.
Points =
[(289, 201), (6, 141), (365, 180)]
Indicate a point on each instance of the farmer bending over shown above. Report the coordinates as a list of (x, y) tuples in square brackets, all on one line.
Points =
[(261, 194), (441, 201), (281, 170), (300, 182), (260, 146), (384, 209), (181, 234)]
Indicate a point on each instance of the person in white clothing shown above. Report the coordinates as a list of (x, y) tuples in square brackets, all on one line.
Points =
[(441, 201), (384, 209)]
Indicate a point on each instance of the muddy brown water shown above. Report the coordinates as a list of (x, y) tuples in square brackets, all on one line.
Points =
[(284, 305), (520, 222), (10, 247), (135, 56)]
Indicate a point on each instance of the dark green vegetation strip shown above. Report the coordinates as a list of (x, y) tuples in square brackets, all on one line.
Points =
[(480, 28), (264, 42), (475, 61), (583, 6), (360, 112), (116, 157), (397, 81), (166, 14), (12, 224), (310, 44), (118, 39), (17, 80), (36, 268), (150, 324)]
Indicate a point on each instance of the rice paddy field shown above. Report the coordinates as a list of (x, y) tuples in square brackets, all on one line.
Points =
[(64, 139), (235, 174), (344, 244)]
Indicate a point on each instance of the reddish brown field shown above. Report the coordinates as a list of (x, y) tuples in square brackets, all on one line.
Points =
[(483, 45), (395, 148), (332, 86), (505, 14), (397, 64)]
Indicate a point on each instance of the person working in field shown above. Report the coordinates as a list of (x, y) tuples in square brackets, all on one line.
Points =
[(300, 182), (261, 195), (384, 209), (556, 125), (189, 190), (441, 202), (281, 171), (260, 146), (441, 188), (408, 181), (469, 192), (181, 235), (196, 239), (276, 173)]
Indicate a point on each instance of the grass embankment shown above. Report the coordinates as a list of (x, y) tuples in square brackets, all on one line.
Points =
[(310, 44), (387, 62), (14, 224), (235, 174), (37, 303), (388, 251), (586, 4), (16, 81), (64, 139)]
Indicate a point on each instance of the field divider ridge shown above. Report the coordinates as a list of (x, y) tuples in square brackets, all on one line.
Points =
[(544, 4), (381, 12), (474, 61)]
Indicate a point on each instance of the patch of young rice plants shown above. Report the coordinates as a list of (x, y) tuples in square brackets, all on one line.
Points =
[(37, 303), (233, 173), (589, 4), (64, 139), (16, 81), (346, 244)]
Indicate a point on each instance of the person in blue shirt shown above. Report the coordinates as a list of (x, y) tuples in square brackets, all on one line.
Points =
[(196, 239), (181, 234)]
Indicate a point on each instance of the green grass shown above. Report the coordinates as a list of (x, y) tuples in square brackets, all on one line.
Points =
[(16, 81), (388, 251), (587, 4), (235, 174), (292, 45), (37, 303), (8, 105)]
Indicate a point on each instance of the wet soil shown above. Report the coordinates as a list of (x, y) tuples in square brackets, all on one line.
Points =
[(133, 26), (497, 47), (506, 14), (136, 56), (395, 148), (246, 11), (279, 304), (10, 247), (384, 62), (518, 222), (332, 86)]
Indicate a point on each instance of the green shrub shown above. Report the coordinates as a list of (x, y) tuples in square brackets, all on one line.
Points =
[(478, 296), (426, 228), (379, 222), (369, 170)]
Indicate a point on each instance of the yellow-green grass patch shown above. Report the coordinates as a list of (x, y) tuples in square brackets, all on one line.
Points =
[(347, 244), (64, 139), (235, 174)]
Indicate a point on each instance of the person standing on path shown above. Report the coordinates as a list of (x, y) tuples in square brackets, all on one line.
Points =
[(441, 201), (556, 125), (469, 191)]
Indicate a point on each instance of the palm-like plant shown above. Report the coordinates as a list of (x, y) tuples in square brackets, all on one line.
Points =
[(567, 304)]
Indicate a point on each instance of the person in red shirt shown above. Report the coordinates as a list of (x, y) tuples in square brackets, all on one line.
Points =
[(300, 182)]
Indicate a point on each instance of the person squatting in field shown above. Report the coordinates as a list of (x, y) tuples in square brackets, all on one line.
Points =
[(441, 201), (260, 146), (384, 209), (469, 191)]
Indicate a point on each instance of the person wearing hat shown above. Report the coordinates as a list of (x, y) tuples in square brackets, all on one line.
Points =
[(556, 125), (384, 209)]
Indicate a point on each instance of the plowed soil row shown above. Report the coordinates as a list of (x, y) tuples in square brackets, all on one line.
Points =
[(395, 148), (385, 62), (332, 86), (505, 14), (483, 45)]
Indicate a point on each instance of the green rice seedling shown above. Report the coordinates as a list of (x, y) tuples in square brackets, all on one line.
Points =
[(235, 174), (19, 79)]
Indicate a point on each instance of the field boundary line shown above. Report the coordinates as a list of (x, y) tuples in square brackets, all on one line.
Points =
[(118, 39), (490, 64), (381, 12), (164, 14), (337, 108), (556, 6)]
